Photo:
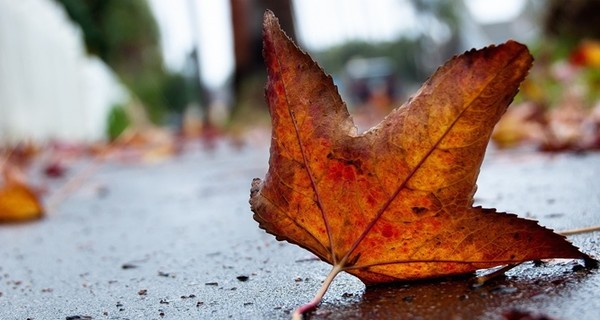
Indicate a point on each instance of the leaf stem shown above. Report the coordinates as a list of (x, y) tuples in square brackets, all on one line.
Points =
[(579, 231), (312, 305), (481, 280), (314, 185)]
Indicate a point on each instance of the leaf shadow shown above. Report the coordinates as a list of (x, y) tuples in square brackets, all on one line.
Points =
[(563, 290)]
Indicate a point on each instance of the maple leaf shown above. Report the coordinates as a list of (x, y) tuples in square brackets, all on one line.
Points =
[(396, 202)]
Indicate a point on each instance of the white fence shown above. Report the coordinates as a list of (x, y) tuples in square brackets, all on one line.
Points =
[(49, 87)]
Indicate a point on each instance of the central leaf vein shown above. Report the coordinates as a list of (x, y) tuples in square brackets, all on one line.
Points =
[(318, 199)]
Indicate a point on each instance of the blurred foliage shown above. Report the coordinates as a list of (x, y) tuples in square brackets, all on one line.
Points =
[(558, 107), (562, 69), (415, 57), (571, 21), (118, 121), (403, 52), (179, 91), (567, 55), (125, 35), (445, 11), (565, 25)]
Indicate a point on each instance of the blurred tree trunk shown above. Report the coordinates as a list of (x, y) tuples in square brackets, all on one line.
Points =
[(249, 73), (575, 19)]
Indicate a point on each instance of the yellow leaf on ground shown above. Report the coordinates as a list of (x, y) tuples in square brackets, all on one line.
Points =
[(19, 203)]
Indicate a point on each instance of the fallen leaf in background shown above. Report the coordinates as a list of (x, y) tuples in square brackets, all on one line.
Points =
[(18, 201), (393, 203), (55, 169), (571, 126), (525, 122), (560, 105), (568, 127), (146, 144)]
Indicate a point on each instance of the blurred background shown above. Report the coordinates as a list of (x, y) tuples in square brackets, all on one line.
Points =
[(136, 126), (89, 70)]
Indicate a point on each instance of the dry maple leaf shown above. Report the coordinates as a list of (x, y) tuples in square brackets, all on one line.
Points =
[(393, 203)]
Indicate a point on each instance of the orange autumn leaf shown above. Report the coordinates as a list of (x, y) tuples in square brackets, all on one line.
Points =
[(18, 202), (396, 202)]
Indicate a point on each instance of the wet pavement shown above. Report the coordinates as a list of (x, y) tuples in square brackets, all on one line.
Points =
[(176, 240)]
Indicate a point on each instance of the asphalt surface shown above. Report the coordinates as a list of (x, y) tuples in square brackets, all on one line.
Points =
[(176, 240)]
